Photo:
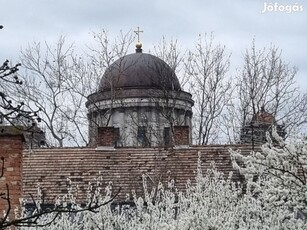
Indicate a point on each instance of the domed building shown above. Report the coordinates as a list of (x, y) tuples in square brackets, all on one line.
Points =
[(139, 103)]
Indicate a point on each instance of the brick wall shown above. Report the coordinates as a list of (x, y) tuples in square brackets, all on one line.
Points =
[(106, 136), (11, 145), (181, 135)]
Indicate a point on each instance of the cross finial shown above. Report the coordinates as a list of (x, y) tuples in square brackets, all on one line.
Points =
[(138, 31), (138, 44)]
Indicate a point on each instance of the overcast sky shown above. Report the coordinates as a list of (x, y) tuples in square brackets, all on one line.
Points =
[(234, 23)]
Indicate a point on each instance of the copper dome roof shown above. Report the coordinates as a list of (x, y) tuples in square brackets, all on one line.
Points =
[(139, 70)]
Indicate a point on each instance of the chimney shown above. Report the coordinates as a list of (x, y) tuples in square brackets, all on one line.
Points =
[(106, 136), (11, 146), (182, 135)]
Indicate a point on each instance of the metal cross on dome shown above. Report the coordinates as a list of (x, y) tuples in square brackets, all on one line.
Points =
[(138, 31)]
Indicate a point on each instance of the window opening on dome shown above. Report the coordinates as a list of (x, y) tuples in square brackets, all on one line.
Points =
[(166, 136), (142, 136), (116, 137)]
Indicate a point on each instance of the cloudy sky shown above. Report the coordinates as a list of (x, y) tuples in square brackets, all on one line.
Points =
[(234, 23)]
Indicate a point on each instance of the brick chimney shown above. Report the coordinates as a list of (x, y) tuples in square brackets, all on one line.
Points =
[(11, 145), (182, 135), (106, 136)]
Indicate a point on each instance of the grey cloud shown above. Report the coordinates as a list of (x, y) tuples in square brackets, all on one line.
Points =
[(235, 23)]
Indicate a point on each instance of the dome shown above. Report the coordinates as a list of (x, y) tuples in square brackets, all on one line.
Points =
[(139, 70)]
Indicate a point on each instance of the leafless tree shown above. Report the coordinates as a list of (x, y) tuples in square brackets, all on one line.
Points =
[(266, 81), (101, 57), (175, 56), (106, 51), (172, 53), (58, 81), (10, 111), (46, 86), (207, 67)]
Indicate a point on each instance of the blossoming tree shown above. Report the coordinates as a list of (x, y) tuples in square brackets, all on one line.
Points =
[(273, 196)]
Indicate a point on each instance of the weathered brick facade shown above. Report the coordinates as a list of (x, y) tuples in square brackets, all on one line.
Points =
[(11, 145)]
